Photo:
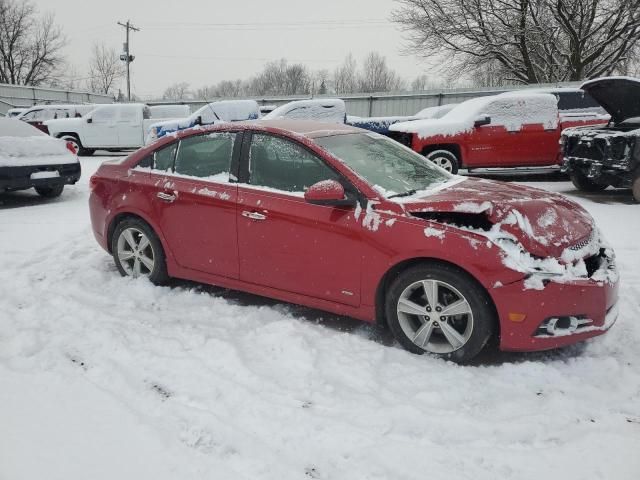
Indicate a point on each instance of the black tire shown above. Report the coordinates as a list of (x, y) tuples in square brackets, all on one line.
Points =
[(158, 275), (584, 183), (445, 159), (482, 316), (50, 192), (86, 152), (635, 186)]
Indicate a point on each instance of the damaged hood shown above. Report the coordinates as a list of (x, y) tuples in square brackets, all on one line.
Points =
[(544, 223), (617, 95)]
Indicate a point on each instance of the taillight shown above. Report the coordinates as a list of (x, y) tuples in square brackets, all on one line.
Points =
[(72, 148), (93, 182)]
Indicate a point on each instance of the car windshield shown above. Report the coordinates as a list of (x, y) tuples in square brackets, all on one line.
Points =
[(391, 168)]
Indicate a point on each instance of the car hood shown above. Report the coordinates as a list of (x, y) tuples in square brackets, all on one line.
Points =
[(544, 223), (61, 123), (617, 95)]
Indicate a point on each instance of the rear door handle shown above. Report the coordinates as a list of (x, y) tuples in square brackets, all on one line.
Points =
[(254, 215), (166, 197)]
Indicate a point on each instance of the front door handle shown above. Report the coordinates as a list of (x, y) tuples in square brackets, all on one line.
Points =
[(166, 197), (254, 215)]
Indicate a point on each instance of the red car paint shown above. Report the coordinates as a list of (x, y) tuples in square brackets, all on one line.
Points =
[(335, 258)]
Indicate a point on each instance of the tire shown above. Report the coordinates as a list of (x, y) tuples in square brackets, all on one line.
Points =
[(444, 159), (458, 337), (81, 151), (86, 152), (50, 192), (635, 186), (584, 183), (132, 260)]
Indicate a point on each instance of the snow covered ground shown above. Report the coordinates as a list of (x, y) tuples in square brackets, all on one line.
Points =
[(109, 378)]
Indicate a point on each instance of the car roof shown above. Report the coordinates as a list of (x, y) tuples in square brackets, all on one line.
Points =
[(307, 128)]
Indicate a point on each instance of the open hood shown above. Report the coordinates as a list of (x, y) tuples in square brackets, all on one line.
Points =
[(544, 223), (617, 95)]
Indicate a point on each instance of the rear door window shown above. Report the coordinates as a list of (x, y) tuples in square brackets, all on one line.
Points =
[(206, 156)]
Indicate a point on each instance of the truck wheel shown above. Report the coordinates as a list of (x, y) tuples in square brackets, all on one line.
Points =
[(82, 152), (444, 159), (635, 186), (584, 183), (50, 192)]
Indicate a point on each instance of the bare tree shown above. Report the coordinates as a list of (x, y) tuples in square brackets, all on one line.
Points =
[(177, 91), (30, 44), (528, 41), (376, 75), (345, 77), (105, 68)]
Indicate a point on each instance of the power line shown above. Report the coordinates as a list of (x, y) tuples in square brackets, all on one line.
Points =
[(127, 55)]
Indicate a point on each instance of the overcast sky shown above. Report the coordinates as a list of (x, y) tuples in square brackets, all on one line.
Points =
[(196, 40)]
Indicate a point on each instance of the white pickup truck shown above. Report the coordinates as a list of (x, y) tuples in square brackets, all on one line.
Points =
[(110, 127)]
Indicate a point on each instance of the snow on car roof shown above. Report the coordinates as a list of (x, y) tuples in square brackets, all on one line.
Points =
[(320, 109), (11, 127), (308, 128)]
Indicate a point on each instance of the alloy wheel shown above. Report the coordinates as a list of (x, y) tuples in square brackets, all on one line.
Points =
[(435, 316), (135, 253), (443, 162)]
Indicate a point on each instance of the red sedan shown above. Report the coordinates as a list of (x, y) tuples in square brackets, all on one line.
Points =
[(345, 220)]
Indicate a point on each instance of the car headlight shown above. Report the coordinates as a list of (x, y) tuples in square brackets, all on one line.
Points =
[(518, 259)]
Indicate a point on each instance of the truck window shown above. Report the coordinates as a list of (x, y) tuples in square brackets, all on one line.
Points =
[(103, 115), (128, 114)]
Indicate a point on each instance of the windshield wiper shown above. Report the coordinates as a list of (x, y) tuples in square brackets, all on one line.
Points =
[(405, 194)]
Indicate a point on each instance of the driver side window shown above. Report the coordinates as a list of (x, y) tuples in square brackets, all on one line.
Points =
[(283, 165), (103, 115)]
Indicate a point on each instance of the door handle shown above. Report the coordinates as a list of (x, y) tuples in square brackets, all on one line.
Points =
[(254, 215), (166, 197)]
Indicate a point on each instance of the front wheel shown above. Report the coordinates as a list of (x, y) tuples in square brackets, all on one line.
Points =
[(438, 309), (584, 183), (635, 186), (50, 192), (138, 252), (444, 159)]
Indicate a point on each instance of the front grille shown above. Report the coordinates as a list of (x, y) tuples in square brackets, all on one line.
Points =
[(593, 263), (582, 244)]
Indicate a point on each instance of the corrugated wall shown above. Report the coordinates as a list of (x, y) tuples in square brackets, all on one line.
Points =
[(22, 96), (387, 104)]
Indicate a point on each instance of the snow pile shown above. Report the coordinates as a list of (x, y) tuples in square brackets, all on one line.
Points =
[(511, 111), (104, 377), (322, 110), (36, 149)]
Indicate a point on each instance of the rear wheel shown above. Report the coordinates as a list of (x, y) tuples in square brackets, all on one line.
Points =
[(82, 152), (584, 183), (444, 159), (138, 252), (438, 309), (635, 186), (50, 192)]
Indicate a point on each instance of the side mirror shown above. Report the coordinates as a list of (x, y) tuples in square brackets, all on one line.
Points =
[(482, 121), (89, 120), (198, 120), (328, 192)]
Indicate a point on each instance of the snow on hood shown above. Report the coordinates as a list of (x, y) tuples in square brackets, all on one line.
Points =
[(545, 224), (617, 95), (322, 110), (510, 111)]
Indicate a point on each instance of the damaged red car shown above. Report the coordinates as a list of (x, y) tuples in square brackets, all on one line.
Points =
[(348, 221)]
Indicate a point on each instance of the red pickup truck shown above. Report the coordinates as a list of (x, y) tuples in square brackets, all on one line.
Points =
[(506, 130)]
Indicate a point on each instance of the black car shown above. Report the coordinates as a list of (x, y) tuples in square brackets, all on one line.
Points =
[(600, 156), (30, 158)]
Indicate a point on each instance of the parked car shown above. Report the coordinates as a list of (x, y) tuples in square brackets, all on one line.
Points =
[(15, 112), (382, 125), (331, 110), (599, 156), (113, 127), (505, 130), (224, 110), (264, 109), (30, 158), (169, 111), (349, 221), (38, 114)]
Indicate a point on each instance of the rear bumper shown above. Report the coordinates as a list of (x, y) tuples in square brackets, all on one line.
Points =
[(582, 309), (24, 177)]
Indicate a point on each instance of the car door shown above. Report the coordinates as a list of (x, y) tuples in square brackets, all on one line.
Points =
[(194, 196), (285, 242), (100, 128), (129, 126)]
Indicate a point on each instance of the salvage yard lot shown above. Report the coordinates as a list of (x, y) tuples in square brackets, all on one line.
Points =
[(107, 377)]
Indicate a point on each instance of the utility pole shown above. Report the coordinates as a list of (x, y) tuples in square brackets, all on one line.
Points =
[(126, 56)]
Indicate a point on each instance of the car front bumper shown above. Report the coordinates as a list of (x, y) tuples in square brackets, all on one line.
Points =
[(558, 315), (24, 177)]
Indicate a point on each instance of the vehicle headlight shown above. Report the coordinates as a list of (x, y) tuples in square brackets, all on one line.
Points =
[(518, 259)]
